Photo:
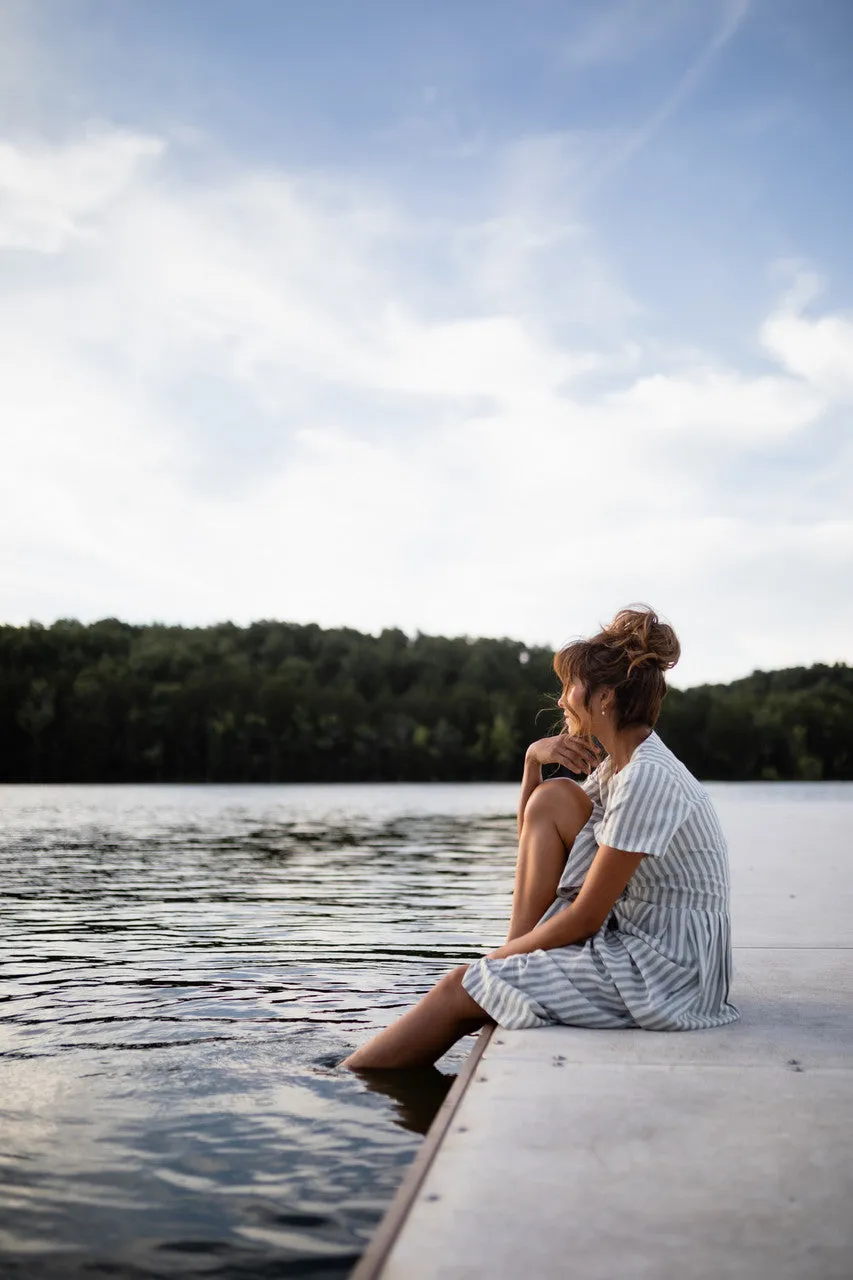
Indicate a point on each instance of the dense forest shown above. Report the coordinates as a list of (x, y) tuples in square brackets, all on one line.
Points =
[(281, 702)]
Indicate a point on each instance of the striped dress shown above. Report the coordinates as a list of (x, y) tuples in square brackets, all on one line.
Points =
[(662, 960)]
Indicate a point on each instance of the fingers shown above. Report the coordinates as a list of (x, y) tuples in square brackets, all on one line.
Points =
[(577, 755)]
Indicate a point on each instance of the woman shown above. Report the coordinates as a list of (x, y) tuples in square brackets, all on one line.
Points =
[(620, 914)]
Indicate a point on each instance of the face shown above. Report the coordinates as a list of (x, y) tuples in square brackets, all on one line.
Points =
[(579, 718), (571, 701)]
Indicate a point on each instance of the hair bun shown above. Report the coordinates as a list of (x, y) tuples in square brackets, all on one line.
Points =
[(643, 638)]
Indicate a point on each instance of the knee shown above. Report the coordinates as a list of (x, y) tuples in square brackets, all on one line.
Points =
[(457, 999), (452, 981), (450, 985), (561, 799)]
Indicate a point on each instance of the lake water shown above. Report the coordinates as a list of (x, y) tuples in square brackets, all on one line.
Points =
[(182, 969)]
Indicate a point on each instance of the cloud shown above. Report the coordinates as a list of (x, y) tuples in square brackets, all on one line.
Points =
[(226, 397), (619, 32), (721, 402), (817, 350), (609, 38), (48, 194)]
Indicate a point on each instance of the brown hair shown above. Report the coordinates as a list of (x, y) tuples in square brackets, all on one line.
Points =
[(629, 656)]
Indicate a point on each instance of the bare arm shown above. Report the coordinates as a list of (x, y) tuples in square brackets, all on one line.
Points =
[(530, 780), (578, 755), (607, 877)]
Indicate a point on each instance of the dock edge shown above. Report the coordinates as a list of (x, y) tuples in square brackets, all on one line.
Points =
[(375, 1255)]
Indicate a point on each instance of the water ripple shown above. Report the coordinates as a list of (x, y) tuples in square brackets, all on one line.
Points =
[(183, 968)]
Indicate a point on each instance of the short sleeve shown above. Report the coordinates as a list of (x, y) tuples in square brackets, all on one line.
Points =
[(645, 807)]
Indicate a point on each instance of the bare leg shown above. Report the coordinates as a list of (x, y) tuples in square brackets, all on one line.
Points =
[(422, 1035), (554, 815)]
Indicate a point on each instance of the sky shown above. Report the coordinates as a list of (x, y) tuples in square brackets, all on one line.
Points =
[(466, 318)]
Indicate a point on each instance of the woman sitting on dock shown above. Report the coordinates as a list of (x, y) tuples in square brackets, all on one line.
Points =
[(620, 913)]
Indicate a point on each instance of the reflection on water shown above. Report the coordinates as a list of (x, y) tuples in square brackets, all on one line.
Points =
[(182, 969), (418, 1093)]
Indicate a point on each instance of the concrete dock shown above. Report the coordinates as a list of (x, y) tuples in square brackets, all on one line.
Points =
[(675, 1156)]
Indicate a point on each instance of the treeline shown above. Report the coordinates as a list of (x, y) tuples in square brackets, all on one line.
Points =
[(281, 702)]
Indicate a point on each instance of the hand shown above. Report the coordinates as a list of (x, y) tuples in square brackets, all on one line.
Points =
[(578, 755)]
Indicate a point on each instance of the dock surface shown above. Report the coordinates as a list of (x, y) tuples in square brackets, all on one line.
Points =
[(615, 1155)]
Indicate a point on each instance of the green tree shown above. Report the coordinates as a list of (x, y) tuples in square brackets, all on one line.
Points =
[(279, 701)]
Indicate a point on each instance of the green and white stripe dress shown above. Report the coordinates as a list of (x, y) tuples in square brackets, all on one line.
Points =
[(662, 960)]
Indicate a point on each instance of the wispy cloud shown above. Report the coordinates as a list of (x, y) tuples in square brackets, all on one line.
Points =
[(632, 139), (48, 194)]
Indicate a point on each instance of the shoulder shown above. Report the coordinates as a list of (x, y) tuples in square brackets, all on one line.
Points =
[(646, 805), (654, 775), (654, 760)]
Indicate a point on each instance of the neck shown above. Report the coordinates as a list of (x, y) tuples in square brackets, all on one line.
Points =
[(621, 745)]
